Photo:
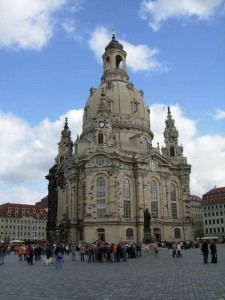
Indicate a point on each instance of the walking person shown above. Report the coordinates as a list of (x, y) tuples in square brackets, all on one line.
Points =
[(174, 250), (20, 252), (179, 250), (213, 251), (59, 251), (205, 251)]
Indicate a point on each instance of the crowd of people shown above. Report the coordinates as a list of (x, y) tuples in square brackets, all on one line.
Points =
[(100, 251)]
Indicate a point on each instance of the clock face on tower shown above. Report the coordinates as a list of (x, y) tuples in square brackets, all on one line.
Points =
[(101, 124)]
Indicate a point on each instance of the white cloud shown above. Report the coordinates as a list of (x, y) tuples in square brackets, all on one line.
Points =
[(21, 194), (27, 24), (220, 114), (28, 152), (205, 153), (159, 11), (139, 57)]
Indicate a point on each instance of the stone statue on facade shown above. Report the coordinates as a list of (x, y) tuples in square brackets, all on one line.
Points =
[(147, 218)]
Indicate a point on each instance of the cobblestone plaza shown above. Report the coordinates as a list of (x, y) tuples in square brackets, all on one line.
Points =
[(164, 278)]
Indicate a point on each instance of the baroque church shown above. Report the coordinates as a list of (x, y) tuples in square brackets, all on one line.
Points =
[(102, 183)]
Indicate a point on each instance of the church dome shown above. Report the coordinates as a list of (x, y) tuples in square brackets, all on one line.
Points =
[(117, 98)]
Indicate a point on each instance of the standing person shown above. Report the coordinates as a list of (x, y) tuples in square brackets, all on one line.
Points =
[(179, 250), (213, 251), (205, 251), (59, 251), (156, 250), (73, 252), (82, 251), (2, 254)]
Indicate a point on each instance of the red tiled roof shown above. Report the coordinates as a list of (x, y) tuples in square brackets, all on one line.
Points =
[(195, 198), (20, 209), (214, 196)]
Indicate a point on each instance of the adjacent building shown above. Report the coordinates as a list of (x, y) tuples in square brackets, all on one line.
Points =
[(213, 210), (23, 222), (102, 182), (196, 215)]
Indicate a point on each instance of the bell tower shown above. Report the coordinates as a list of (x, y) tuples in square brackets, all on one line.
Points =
[(65, 146), (172, 149), (114, 61)]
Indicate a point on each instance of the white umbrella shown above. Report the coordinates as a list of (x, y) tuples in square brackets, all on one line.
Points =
[(16, 241)]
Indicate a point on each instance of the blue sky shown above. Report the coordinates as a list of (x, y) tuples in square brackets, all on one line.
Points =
[(50, 56)]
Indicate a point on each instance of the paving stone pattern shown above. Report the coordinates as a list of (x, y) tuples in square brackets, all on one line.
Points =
[(165, 278)]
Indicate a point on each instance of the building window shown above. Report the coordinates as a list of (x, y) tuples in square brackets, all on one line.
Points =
[(172, 152), (129, 234), (34, 232), (110, 106), (19, 231), (99, 161), (101, 208), (34, 210), (174, 210), (173, 196), (126, 188), (152, 164), (76, 149), (9, 208), (177, 233), (127, 209), (100, 138), (154, 209), (153, 190), (100, 187), (135, 107), (144, 143)]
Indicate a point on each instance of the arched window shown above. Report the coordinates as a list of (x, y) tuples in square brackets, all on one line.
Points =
[(99, 161), (177, 233), (107, 64), (173, 196), (129, 234), (119, 61), (100, 187), (154, 198), (126, 188), (100, 138), (144, 143), (153, 190)]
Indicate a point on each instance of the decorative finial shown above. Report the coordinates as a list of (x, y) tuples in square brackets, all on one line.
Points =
[(66, 124), (168, 110), (113, 34)]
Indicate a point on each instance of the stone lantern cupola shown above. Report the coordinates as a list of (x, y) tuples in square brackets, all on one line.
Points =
[(114, 61)]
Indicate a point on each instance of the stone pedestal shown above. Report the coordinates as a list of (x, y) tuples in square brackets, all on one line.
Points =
[(147, 236)]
